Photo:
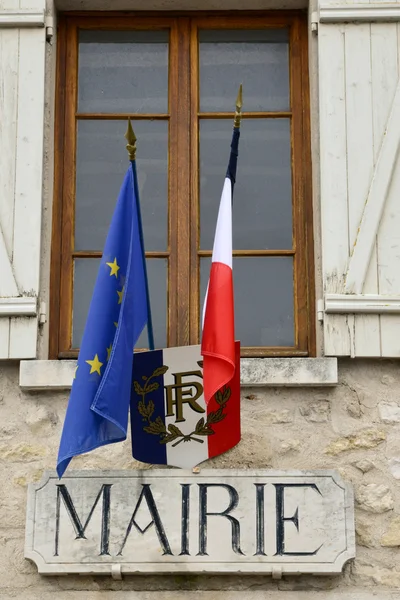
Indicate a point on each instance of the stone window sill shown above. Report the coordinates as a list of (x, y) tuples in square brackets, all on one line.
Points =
[(54, 375)]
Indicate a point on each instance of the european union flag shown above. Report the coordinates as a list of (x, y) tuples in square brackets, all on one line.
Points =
[(98, 406)]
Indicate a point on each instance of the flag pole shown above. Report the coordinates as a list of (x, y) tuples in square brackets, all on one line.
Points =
[(238, 112), (231, 173), (131, 147)]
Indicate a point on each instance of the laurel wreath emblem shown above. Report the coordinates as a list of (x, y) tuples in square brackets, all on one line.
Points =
[(173, 433)]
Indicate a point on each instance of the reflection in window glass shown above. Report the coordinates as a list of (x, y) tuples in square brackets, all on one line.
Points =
[(85, 273), (262, 204), (264, 306), (123, 71), (259, 59), (101, 164), (157, 272)]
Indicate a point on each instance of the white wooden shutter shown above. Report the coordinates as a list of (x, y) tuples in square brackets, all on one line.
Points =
[(22, 60), (359, 100)]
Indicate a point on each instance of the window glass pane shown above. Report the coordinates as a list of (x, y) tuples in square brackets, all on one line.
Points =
[(85, 273), (262, 204), (157, 272), (264, 311), (123, 71), (102, 161), (259, 59)]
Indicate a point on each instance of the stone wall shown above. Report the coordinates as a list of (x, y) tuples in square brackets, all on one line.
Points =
[(353, 427)]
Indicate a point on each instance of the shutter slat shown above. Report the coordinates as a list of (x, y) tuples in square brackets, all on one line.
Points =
[(9, 66), (28, 189), (370, 181), (8, 286), (22, 71), (375, 202), (388, 235), (333, 180), (9, 42), (360, 164), (23, 337)]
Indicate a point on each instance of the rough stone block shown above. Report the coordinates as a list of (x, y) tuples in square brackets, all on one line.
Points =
[(368, 438), (364, 535), (277, 417), (22, 452), (389, 412), (364, 465), (375, 498), (394, 467), (289, 446), (317, 412), (392, 536)]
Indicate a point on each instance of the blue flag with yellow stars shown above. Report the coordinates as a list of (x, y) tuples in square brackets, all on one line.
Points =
[(97, 412)]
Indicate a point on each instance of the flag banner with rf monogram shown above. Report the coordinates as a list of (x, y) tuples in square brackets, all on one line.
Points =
[(171, 422)]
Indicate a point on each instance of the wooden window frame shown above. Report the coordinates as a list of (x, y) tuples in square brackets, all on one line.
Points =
[(183, 181)]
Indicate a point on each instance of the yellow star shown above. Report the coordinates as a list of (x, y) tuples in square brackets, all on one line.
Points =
[(116, 323), (76, 368), (95, 365), (120, 295), (114, 268), (109, 352)]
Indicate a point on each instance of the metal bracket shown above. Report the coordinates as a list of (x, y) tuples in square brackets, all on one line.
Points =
[(43, 313), (116, 572), (314, 22), (320, 310), (276, 572), (49, 24)]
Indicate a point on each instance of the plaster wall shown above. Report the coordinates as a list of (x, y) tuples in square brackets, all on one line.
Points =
[(353, 427)]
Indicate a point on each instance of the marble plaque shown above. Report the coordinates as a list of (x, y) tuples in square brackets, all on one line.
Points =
[(174, 521)]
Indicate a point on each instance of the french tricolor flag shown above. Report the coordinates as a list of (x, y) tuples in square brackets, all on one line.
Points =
[(185, 402), (218, 340)]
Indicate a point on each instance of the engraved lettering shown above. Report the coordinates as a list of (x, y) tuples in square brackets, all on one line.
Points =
[(147, 494), (260, 519), (203, 514), (105, 491), (281, 519), (185, 519)]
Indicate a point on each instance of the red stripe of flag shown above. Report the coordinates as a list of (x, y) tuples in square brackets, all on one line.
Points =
[(227, 432), (218, 340)]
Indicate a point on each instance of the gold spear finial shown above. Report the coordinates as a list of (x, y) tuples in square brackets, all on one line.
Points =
[(238, 112), (131, 139)]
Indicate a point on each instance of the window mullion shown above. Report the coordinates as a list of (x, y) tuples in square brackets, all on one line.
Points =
[(179, 200), (68, 213), (195, 188), (298, 148)]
